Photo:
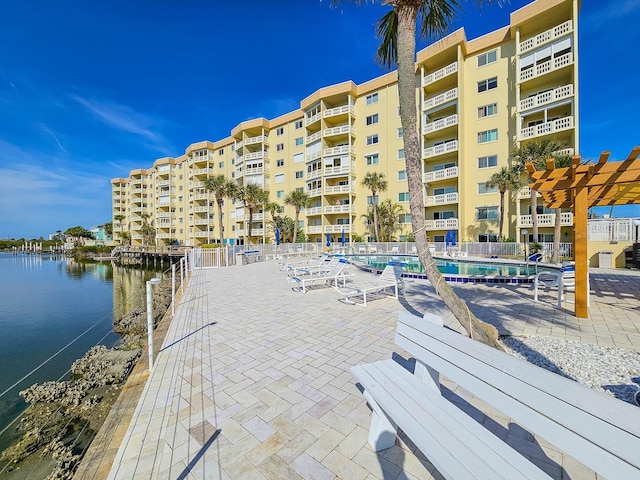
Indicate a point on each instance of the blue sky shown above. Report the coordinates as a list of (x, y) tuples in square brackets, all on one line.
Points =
[(90, 90)]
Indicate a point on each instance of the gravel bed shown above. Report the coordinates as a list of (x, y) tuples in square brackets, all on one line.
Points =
[(615, 371)]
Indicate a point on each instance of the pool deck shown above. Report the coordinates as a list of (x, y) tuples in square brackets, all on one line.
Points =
[(253, 379)]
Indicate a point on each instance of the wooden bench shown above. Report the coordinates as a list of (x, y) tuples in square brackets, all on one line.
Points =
[(597, 430)]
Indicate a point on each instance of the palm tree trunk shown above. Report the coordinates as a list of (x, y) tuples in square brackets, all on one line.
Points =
[(477, 330), (501, 216), (221, 226), (295, 226), (376, 231), (557, 233), (249, 226)]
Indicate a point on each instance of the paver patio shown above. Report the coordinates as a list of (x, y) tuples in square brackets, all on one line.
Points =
[(253, 378)]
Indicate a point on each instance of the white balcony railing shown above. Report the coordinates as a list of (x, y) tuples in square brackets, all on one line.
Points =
[(443, 199), (441, 73), (332, 112), (200, 234), (340, 150), (314, 136), (315, 192), (339, 189), (163, 183), (256, 217), (314, 229), (441, 123), (255, 171), (333, 209), (341, 169), (442, 224), (202, 171), (440, 149), (564, 123), (445, 173), (312, 119), (440, 99), (313, 174), (339, 130), (202, 209), (313, 211), (337, 228), (202, 221), (525, 192), (546, 67), (545, 98), (312, 156), (546, 36), (201, 196), (255, 155), (546, 220), (254, 140)]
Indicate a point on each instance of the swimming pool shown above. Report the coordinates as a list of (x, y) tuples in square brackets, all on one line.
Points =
[(455, 270)]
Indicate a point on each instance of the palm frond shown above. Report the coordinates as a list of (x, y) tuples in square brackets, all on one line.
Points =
[(387, 31), (435, 17)]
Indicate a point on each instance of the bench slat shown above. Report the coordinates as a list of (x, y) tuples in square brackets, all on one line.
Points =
[(454, 442), (554, 407)]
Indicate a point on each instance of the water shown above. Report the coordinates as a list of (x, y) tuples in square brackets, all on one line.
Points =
[(49, 303), (452, 267)]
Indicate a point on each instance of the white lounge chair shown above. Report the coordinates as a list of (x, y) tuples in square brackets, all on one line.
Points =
[(334, 275), (312, 262), (390, 278), (322, 267), (395, 249), (564, 281)]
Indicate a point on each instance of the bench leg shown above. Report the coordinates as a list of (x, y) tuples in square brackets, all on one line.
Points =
[(383, 431), (427, 375)]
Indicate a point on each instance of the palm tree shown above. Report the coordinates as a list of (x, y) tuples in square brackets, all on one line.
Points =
[(299, 200), (506, 180), (119, 218), (147, 230), (376, 183), (536, 152), (397, 30), (562, 161), (388, 213), (251, 196), (222, 188)]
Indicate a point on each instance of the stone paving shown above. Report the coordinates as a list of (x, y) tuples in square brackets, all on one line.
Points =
[(253, 377)]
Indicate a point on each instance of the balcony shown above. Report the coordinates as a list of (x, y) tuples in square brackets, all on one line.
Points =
[(254, 140), (564, 123), (314, 136), (255, 171), (333, 209), (202, 171), (313, 174), (138, 190), (312, 119), (199, 234), (314, 229), (436, 175), (546, 67), (313, 156), (525, 192), (442, 224), (339, 130), (315, 192), (444, 199), (339, 150), (439, 74), (138, 210), (201, 196), (163, 183), (546, 98), (328, 190), (340, 170), (439, 124), (165, 235), (440, 99), (338, 228), (202, 209), (202, 221), (446, 147), (332, 112), (255, 156), (313, 211), (257, 217), (546, 220), (546, 36)]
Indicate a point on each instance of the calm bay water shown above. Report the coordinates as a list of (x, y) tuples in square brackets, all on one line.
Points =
[(52, 306)]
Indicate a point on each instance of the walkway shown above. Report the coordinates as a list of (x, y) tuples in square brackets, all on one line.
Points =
[(253, 379)]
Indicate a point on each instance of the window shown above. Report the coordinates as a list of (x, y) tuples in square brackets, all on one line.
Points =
[(371, 119), (298, 124), (298, 157), (444, 215), (402, 175), (299, 141), (488, 136), (487, 58), (403, 197), (280, 163), (401, 154), (489, 161), (370, 199), (487, 110), (280, 194), (372, 139), (299, 189), (487, 213), (488, 84), (279, 131), (372, 159), (371, 99), (444, 190), (404, 218), (482, 189), (400, 133), (279, 178), (221, 151), (279, 147), (233, 161), (300, 174), (221, 165)]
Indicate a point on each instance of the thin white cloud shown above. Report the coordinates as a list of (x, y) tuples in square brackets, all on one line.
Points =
[(608, 14), (44, 127)]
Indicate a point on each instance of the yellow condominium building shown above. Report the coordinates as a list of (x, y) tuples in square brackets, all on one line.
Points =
[(477, 101)]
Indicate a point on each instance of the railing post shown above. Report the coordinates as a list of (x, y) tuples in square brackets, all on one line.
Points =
[(173, 290)]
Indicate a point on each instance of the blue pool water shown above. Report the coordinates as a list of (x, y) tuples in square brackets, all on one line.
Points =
[(450, 266)]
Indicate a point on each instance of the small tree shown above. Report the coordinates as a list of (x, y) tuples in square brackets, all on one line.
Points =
[(222, 188), (252, 196), (299, 200), (79, 233), (376, 183), (506, 180)]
